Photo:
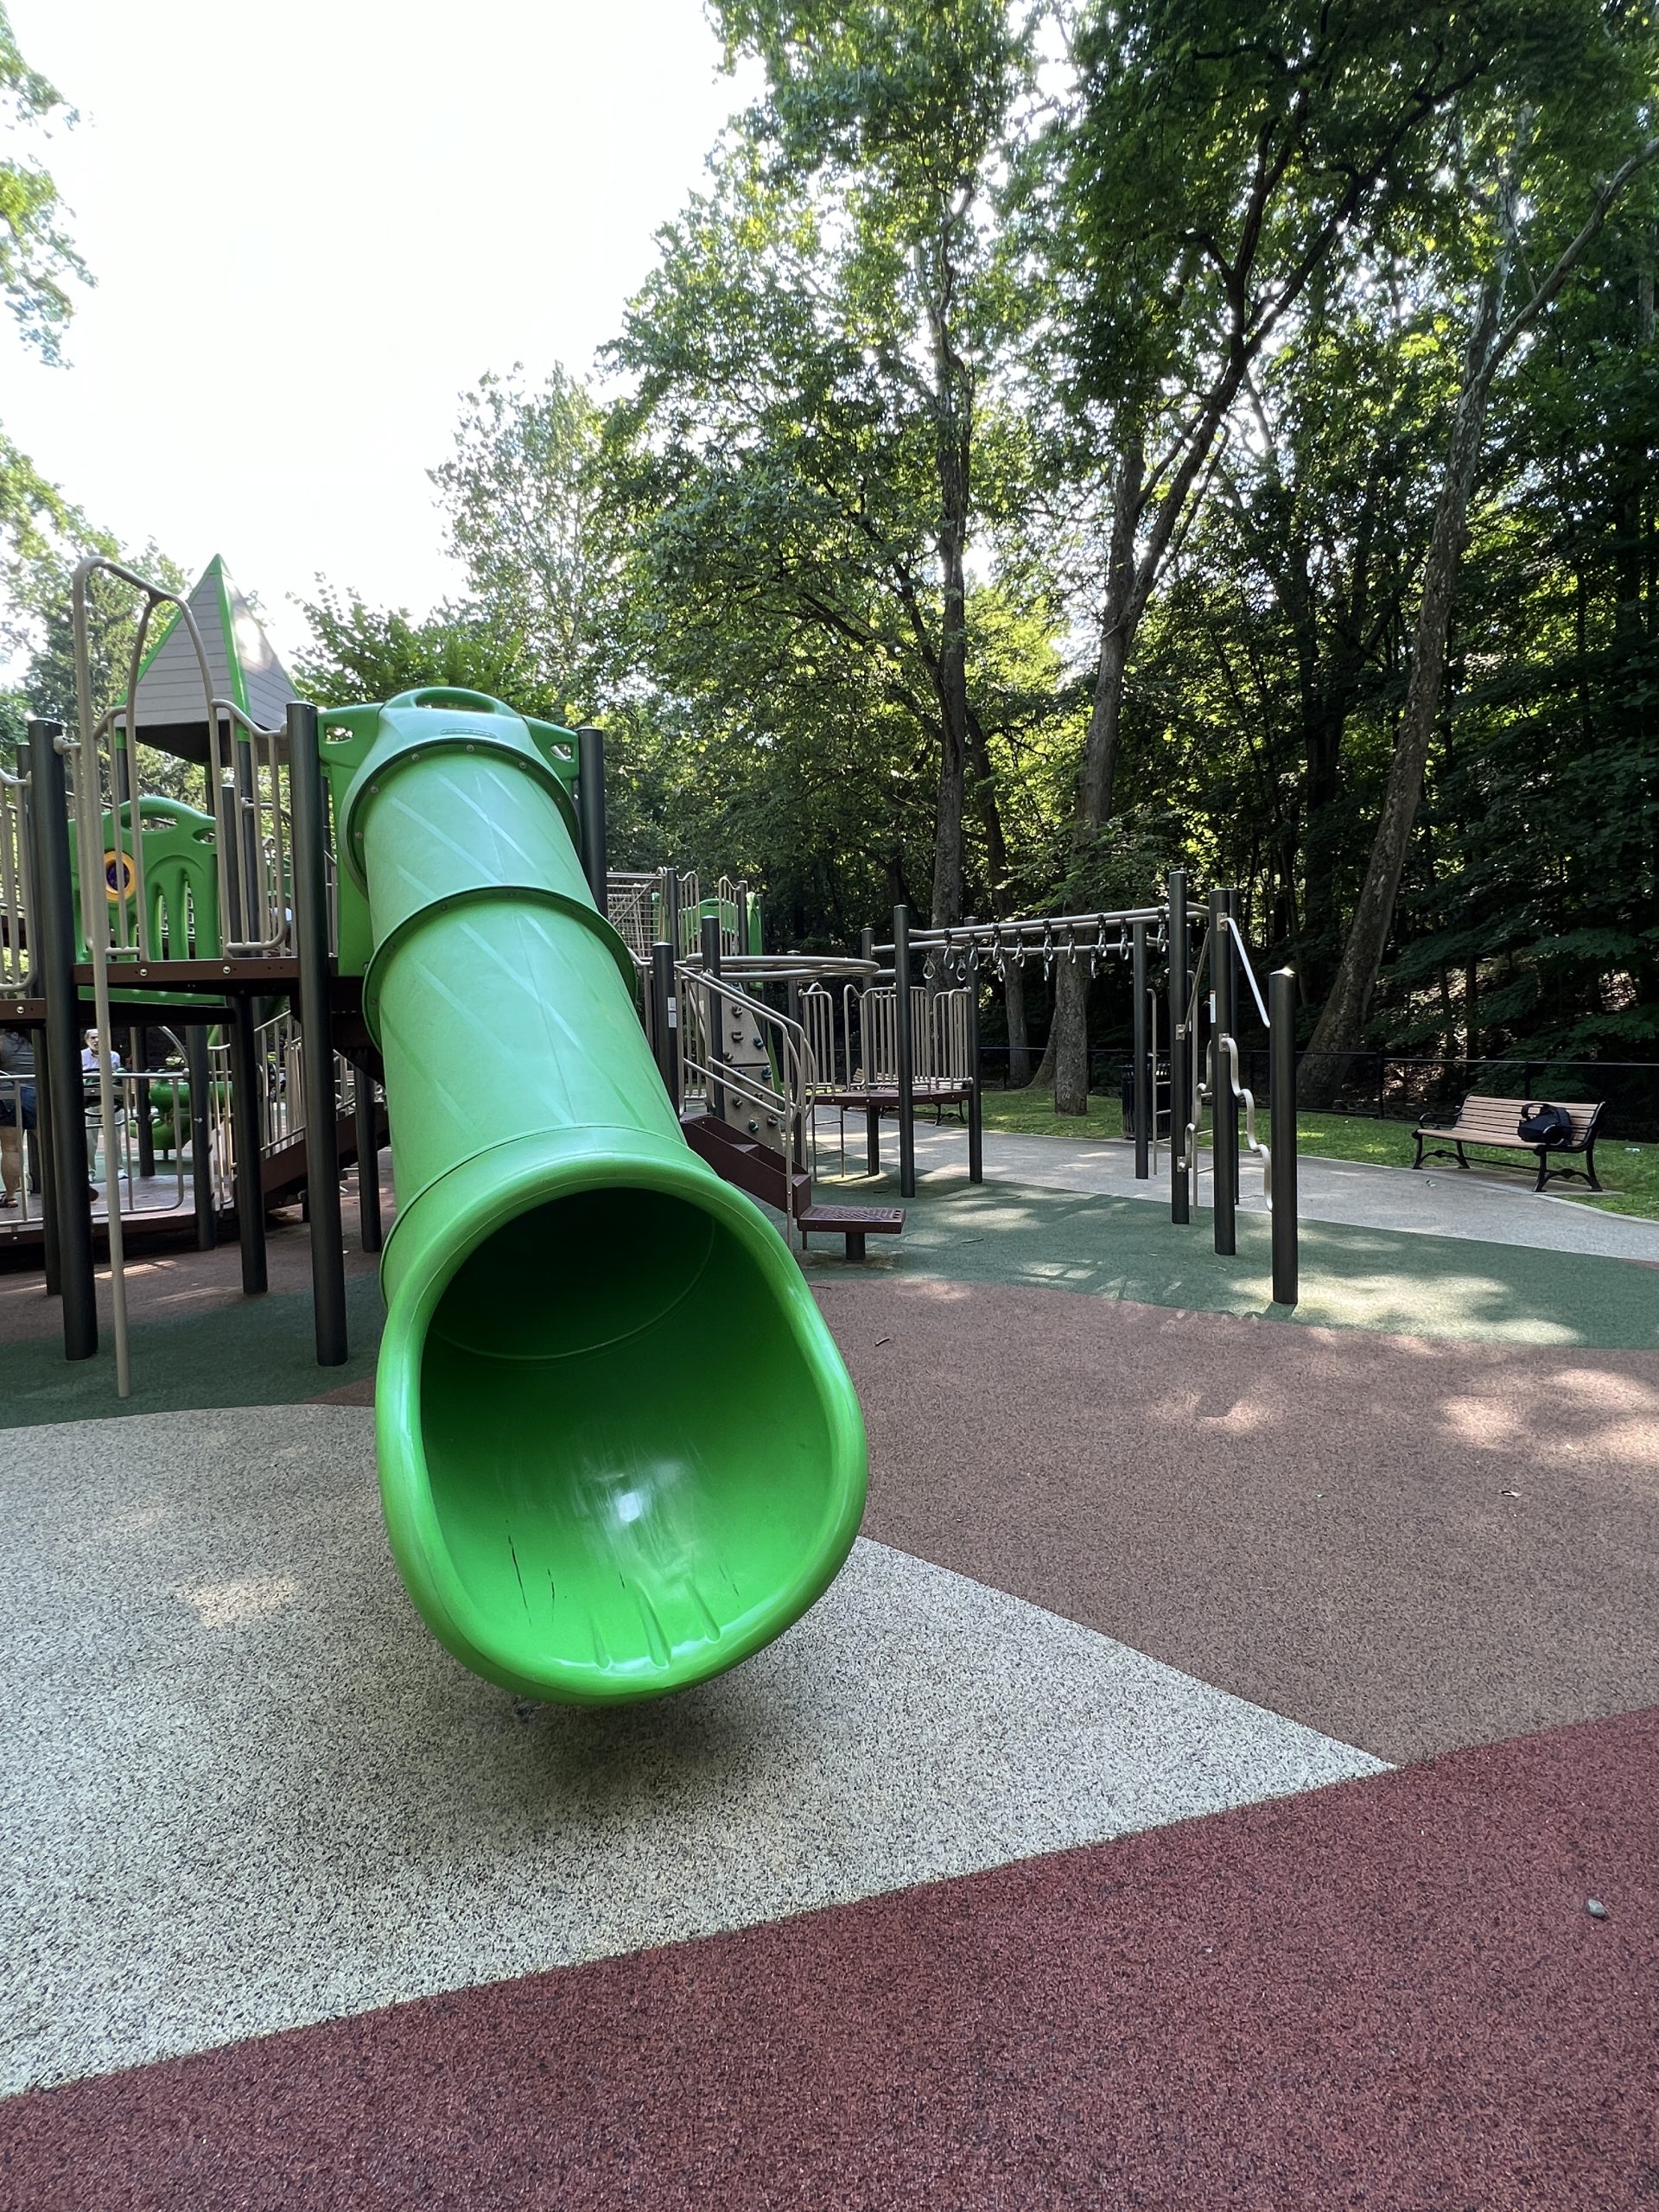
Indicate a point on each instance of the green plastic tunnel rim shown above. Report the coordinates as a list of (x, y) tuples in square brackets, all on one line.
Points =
[(545, 1173)]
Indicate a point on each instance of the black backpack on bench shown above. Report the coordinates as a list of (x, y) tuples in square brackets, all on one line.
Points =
[(1549, 1126)]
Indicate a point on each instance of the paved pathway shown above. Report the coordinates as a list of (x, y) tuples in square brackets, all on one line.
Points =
[(1449, 1203)]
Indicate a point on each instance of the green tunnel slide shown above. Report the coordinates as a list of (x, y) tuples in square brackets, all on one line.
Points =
[(619, 1450)]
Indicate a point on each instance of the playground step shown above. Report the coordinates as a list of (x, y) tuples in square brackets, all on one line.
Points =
[(281, 1171), (854, 1222), (737, 1159)]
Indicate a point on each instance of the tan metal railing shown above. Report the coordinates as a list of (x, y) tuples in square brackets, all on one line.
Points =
[(785, 1101)]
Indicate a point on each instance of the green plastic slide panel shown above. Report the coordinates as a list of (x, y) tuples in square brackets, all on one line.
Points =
[(619, 1450), (180, 872)]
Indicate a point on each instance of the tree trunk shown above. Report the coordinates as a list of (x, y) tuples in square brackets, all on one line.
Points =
[(953, 433), (1002, 902), (1014, 993), (1342, 1020), (1067, 1056)]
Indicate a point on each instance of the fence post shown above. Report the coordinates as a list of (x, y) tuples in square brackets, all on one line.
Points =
[(1181, 1085), (903, 1047), (1282, 1101), (55, 961)]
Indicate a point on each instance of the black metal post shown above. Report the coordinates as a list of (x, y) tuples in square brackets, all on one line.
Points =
[(1281, 1097), (197, 1072), (1223, 1164), (903, 1050), (1181, 1079), (714, 1043), (247, 817), (55, 964), (792, 1011), (367, 1121), (590, 810), (48, 1191), (1142, 1091), (663, 1010), (310, 805), (51, 1252), (872, 1114), (247, 1081), (136, 1058), (975, 1115), (228, 847)]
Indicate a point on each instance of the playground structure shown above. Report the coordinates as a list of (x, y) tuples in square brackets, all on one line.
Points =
[(1203, 1015), (585, 1075), (582, 1505)]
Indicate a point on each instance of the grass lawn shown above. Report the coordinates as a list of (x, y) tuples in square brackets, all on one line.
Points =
[(1629, 1172)]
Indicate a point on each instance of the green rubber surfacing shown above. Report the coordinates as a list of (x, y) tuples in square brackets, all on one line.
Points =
[(618, 1450), (1396, 1281)]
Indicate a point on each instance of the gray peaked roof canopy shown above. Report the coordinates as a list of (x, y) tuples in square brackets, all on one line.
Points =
[(241, 660)]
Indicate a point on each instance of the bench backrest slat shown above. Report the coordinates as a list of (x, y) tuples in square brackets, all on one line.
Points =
[(1502, 1115)]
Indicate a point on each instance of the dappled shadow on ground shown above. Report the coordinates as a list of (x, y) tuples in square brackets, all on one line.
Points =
[(1397, 1281), (1407, 1543)]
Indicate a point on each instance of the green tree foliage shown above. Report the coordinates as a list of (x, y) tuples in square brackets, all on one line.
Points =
[(1214, 431), (38, 262), (829, 312), (517, 500), (1564, 130), (1214, 158), (362, 653), (37, 259)]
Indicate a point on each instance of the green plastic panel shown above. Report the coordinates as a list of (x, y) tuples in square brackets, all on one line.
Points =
[(619, 1450)]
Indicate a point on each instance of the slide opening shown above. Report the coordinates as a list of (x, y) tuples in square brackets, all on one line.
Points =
[(627, 1449)]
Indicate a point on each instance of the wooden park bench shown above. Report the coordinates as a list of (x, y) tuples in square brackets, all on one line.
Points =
[(1494, 1124)]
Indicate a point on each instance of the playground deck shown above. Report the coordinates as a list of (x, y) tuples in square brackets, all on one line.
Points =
[(1191, 1794)]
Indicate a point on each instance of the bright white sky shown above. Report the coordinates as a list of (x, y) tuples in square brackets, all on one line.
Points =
[(313, 223)]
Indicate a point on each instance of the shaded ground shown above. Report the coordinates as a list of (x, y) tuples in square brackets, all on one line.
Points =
[(1408, 1284)]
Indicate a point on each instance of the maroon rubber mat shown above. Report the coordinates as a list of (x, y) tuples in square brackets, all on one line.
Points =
[(1389, 1994), (1410, 1545)]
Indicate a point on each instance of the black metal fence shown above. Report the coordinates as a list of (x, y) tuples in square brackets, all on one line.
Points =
[(1395, 1088)]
